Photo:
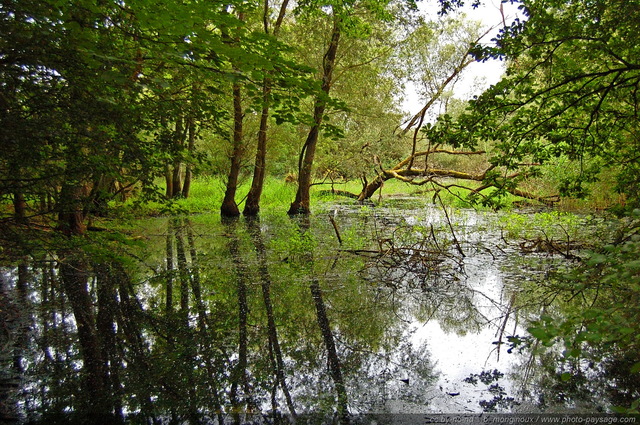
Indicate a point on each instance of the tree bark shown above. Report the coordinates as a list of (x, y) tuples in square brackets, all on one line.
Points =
[(71, 209), (191, 131), (229, 206), (252, 205), (305, 166)]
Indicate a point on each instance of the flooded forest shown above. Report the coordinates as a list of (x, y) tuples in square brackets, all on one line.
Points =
[(340, 211)]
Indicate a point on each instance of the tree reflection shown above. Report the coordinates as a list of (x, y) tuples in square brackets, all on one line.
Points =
[(275, 351), (235, 321)]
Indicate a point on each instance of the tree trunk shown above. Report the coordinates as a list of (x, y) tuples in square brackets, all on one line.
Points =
[(168, 179), (179, 136), (176, 181), (305, 166), (229, 207), (252, 206), (191, 129), (19, 207), (71, 210)]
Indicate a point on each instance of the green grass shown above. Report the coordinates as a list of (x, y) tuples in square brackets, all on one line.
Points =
[(207, 193)]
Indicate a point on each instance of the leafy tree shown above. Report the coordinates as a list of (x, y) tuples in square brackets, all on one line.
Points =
[(570, 90)]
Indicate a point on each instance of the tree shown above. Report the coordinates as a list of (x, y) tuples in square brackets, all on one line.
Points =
[(252, 205), (347, 19), (301, 203), (569, 91), (433, 57)]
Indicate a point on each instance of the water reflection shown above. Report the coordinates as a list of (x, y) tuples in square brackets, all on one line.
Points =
[(212, 322)]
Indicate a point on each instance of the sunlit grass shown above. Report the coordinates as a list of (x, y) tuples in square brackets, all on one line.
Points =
[(207, 193)]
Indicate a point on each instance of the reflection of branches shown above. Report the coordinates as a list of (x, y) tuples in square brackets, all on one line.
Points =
[(408, 255)]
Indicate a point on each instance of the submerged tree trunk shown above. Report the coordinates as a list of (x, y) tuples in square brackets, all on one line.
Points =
[(108, 277), (305, 165), (229, 206), (170, 273), (139, 360), (335, 368), (239, 376)]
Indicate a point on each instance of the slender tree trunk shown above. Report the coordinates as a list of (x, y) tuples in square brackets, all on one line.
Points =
[(229, 207), (252, 205), (176, 181), (179, 138), (168, 179), (191, 131), (305, 166)]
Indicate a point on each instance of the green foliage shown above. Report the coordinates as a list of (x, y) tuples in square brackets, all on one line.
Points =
[(602, 304), (552, 224), (569, 90)]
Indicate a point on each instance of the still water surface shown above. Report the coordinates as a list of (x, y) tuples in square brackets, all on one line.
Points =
[(354, 310)]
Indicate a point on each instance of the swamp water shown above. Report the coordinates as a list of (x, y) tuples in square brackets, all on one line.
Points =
[(354, 310)]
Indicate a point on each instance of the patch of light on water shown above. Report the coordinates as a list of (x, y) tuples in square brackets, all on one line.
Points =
[(459, 355)]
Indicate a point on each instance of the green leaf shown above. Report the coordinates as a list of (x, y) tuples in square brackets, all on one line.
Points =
[(539, 333)]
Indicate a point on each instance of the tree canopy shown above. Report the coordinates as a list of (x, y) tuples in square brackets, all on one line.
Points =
[(570, 91), (101, 99)]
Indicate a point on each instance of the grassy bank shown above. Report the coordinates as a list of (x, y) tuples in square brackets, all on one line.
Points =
[(207, 194)]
